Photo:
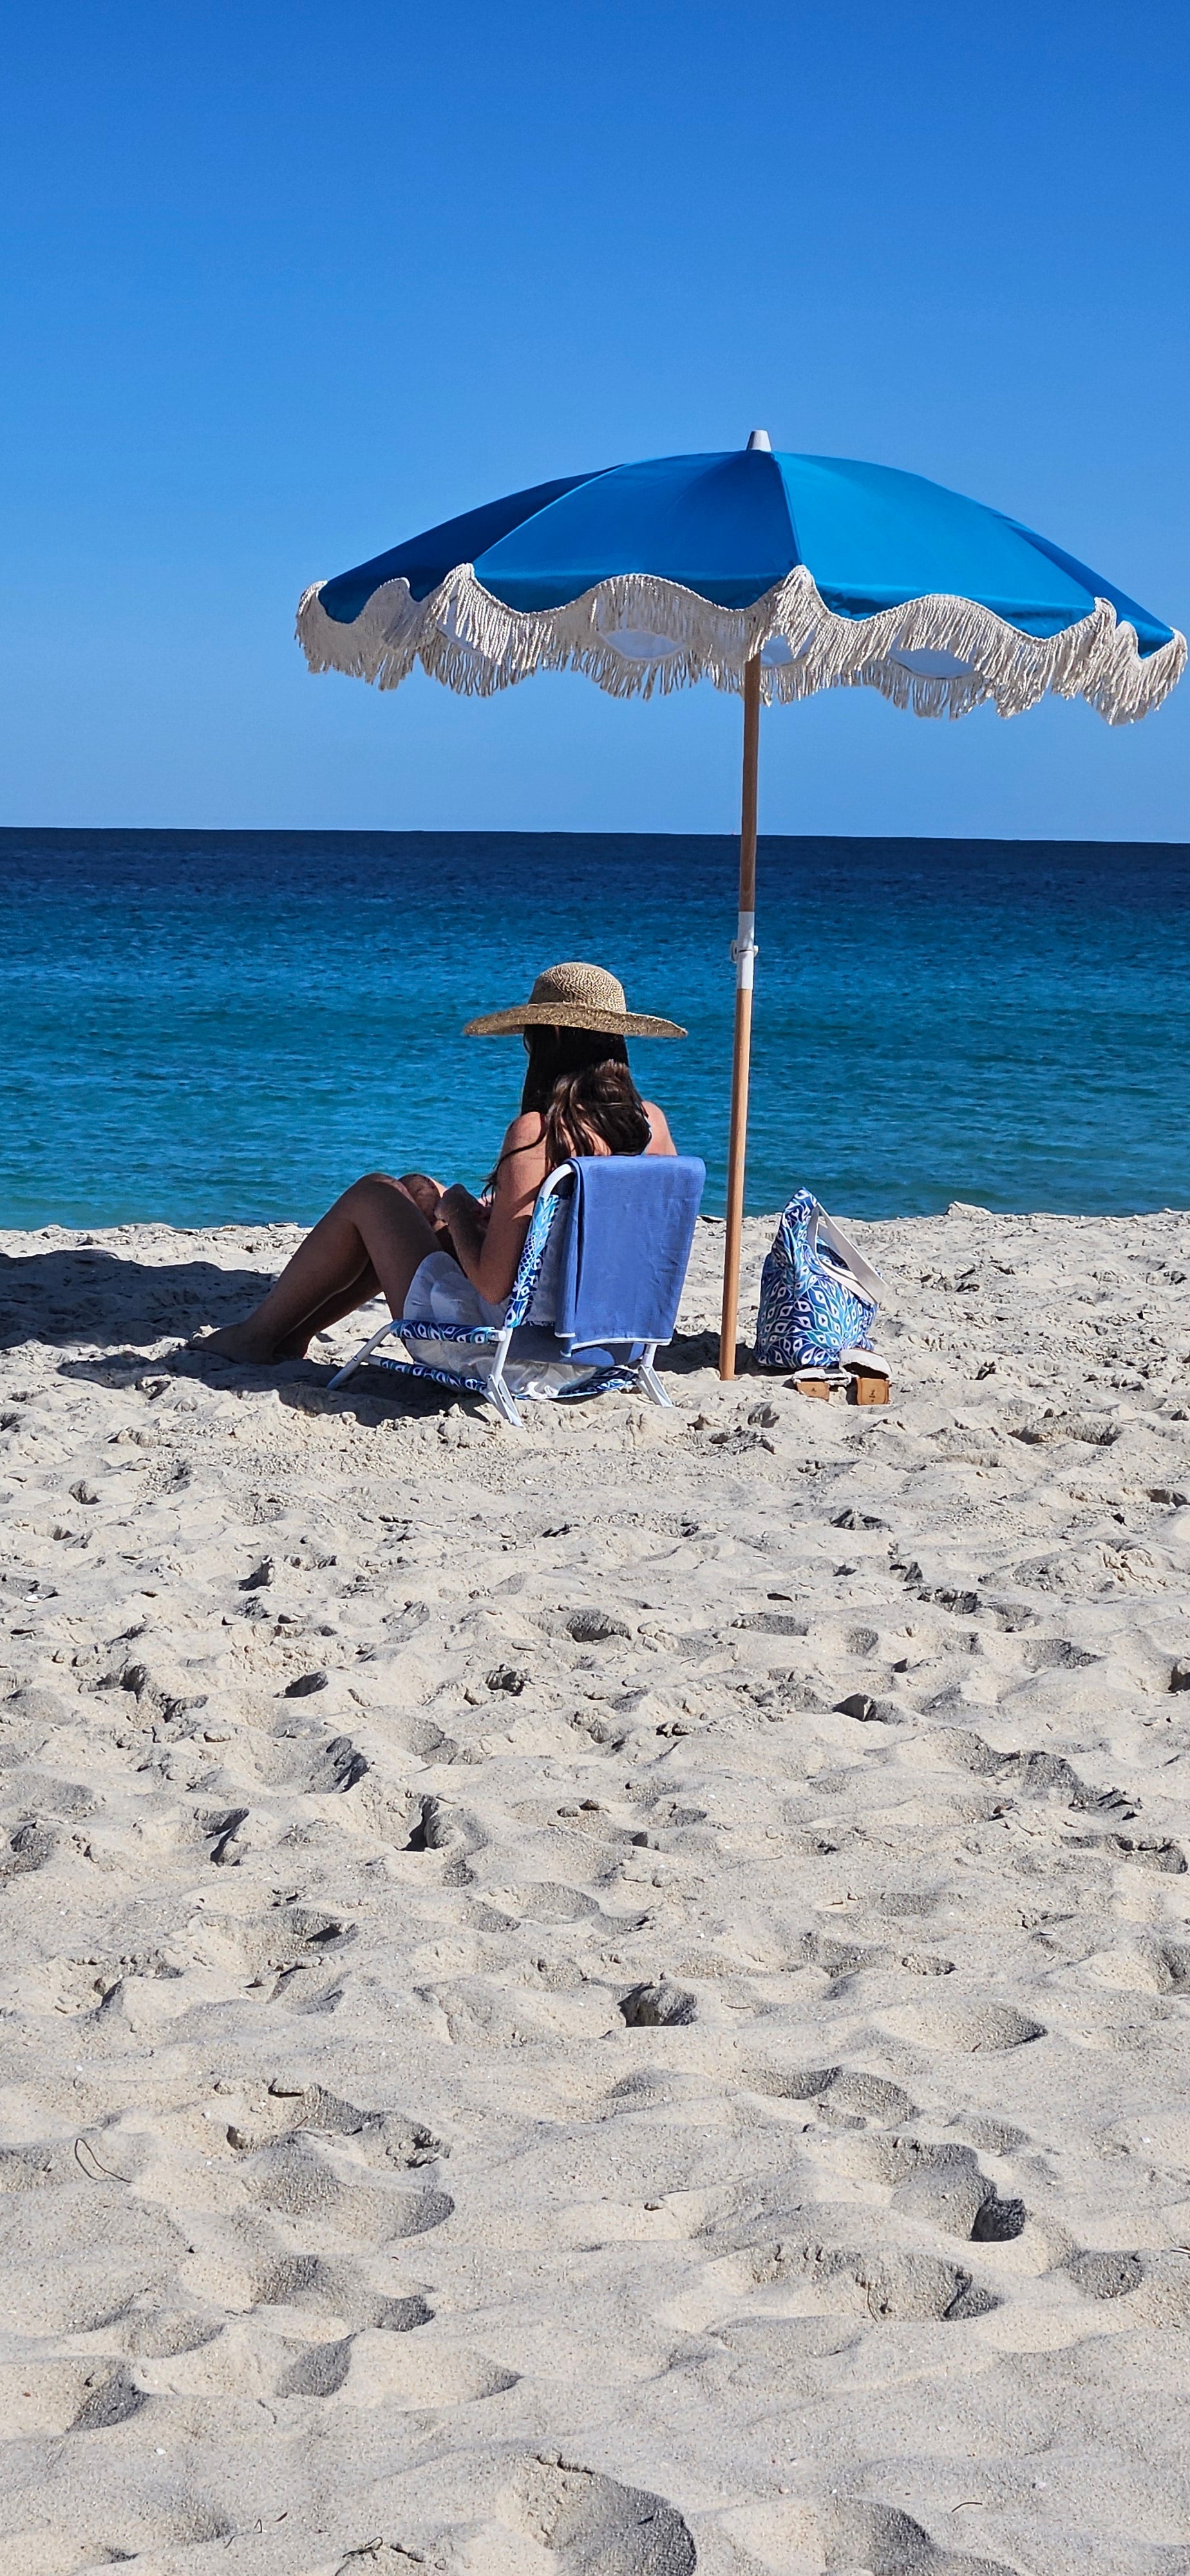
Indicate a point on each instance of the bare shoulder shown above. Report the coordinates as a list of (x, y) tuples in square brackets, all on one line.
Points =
[(527, 1129), (521, 1168), (662, 1142)]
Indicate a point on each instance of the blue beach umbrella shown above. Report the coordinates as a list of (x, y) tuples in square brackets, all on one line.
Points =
[(773, 575)]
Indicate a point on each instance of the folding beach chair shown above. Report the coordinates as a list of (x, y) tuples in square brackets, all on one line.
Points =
[(596, 1291)]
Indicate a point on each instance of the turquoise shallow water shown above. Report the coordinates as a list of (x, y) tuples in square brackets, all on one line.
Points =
[(203, 1027)]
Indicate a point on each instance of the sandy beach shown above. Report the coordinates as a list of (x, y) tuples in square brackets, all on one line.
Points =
[(610, 2001)]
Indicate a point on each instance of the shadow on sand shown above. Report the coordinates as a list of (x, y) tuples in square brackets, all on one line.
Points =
[(88, 1293)]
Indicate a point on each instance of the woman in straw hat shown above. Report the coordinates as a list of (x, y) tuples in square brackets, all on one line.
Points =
[(442, 1255)]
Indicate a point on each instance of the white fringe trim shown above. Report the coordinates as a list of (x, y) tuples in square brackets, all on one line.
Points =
[(467, 639)]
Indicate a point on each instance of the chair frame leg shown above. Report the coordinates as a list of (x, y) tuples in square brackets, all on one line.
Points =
[(499, 1393), (364, 1353), (647, 1377)]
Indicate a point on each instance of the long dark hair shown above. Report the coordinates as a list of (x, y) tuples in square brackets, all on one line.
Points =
[(557, 1054), (580, 1086)]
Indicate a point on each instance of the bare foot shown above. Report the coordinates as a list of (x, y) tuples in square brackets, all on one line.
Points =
[(238, 1342), (295, 1345)]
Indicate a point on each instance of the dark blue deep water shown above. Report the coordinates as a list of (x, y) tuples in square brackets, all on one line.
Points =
[(203, 1026)]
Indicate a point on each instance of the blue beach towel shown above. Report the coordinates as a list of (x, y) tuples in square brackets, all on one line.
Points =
[(627, 1247)]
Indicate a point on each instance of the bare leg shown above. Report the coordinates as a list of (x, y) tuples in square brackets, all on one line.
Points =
[(373, 1237), (358, 1293), (425, 1195)]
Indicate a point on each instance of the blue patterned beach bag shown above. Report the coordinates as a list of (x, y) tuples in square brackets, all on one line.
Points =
[(817, 1293)]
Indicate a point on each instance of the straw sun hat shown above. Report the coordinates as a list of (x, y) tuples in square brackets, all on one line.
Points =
[(575, 996)]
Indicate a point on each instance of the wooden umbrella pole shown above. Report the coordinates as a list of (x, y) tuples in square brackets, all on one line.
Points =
[(744, 953)]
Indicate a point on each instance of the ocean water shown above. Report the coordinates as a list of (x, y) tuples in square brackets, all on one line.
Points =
[(202, 1027)]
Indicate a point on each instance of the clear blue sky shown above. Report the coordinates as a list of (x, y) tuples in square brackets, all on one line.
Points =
[(283, 284)]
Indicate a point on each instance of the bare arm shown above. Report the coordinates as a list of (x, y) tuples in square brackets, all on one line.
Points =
[(462, 1224), (661, 1142), (489, 1241)]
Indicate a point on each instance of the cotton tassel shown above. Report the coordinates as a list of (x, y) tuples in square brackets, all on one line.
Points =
[(473, 644)]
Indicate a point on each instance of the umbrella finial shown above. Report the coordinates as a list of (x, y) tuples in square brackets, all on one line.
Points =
[(760, 438)]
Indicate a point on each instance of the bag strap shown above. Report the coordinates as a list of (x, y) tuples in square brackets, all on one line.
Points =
[(867, 1280)]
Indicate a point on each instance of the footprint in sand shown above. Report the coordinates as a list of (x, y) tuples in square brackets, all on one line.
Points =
[(113, 2399), (300, 2181), (970, 2029), (381, 2137), (318, 2370), (855, 2094), (876, 2536), (944, 2186), (548, 1901), (1055, 1654), (551, 2512), (339, 1767), (1105, 2276), (256, 1949), (893, 2288), (48, 2398), (383, 2370), (588, 1626), (660, 2007), (29, 1848), (337, 2289), (162, 2334)]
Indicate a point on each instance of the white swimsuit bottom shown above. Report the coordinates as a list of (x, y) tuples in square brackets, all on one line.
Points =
[(441, 1293)]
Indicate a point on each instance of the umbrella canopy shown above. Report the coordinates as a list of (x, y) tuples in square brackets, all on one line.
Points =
[(683, 568), (774, 575)]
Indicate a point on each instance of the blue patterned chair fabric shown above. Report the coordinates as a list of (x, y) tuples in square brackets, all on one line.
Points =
[(484, 1336)]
